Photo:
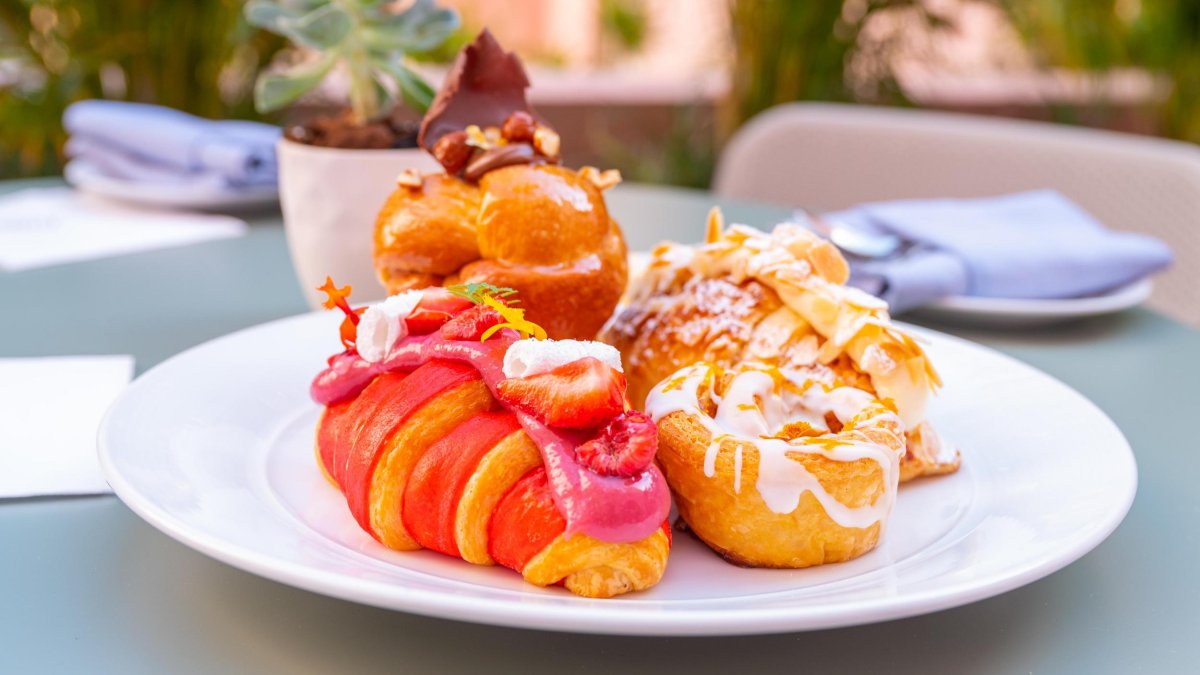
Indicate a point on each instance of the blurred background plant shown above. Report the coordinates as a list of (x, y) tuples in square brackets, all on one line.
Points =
[(196, 56), (648, 86), (802, 51), (1161, 36), (624, 25), (365, 38), (685, 154)]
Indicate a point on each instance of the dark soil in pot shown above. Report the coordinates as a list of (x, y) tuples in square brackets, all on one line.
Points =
[(340, 131)]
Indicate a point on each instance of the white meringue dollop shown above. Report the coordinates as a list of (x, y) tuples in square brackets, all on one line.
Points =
[(382, 325), (525, 358)]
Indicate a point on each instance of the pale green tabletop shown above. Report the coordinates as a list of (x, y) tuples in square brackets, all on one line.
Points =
[(88, 587)]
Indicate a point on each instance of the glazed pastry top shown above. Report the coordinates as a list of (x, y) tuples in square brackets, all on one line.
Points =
[(784, 414), (778, 297)]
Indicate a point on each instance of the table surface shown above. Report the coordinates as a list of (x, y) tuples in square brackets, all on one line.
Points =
[(88, 587)]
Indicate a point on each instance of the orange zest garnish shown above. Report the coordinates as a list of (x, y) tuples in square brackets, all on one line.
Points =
[(794, 430), (513, 318), (336, 297), (675, 383), (501, 300), (826, 443)]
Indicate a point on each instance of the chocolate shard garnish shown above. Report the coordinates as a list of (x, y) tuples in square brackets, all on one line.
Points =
[(484, 86)]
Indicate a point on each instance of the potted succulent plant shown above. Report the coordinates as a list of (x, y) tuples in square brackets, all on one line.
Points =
[(335, 172)]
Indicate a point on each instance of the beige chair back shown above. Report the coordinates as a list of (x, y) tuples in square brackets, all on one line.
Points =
[(830, 156)]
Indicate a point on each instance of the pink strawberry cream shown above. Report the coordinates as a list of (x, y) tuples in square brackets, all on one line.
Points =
[(612, 508)]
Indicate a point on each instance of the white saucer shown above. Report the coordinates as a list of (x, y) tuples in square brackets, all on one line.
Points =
[(1023, 313)]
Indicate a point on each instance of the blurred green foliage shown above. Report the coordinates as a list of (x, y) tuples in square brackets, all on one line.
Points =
[(624, 22), (789, 50), (1162, 36), (686, 155), (196, 56), (368, 39), (450, 47), (201, 56)]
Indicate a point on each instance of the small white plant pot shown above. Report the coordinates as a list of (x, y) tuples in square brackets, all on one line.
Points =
[(330, 197)]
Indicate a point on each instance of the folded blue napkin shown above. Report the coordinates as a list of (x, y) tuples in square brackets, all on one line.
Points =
[(1035, 244), (149, 143)]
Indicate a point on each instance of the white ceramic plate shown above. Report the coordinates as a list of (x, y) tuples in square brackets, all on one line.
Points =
[(85, 176), (1013, 312), (214, 447)]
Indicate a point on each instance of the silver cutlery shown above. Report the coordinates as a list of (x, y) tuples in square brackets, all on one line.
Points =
[(851, 240)]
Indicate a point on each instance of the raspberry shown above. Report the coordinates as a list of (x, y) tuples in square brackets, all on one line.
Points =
[(624, 448)]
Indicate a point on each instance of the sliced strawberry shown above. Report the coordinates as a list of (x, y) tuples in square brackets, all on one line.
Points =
[(625, 447), (582, 394), (471, 324), (437, 306)]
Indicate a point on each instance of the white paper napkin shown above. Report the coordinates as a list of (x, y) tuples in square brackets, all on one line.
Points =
[(49, 226), (50, 410)]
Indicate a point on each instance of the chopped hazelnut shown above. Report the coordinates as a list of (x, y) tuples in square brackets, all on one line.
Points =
[(546, 141), (601, 179), (519, 127), (452, 151), (409, 178), (475, 137), (484, 138)]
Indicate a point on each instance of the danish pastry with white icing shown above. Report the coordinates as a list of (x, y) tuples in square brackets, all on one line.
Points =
[(789, 405)]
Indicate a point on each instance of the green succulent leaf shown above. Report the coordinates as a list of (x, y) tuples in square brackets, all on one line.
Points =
[(275, 90), (382, 94), (419, 28), (273, 15), (321, 28), (367, 37), (414, 90)]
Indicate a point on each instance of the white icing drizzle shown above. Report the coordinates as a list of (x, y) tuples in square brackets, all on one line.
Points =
[(737, 470), (847, 320), (754, 408)]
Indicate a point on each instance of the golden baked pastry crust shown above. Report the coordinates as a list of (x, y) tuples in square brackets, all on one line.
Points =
[(428, 231), (777, 298), (737, 524), (838, 476), (541, 229), (597, 569)]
